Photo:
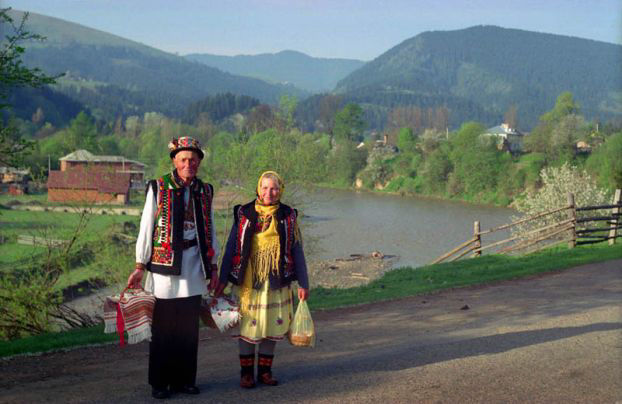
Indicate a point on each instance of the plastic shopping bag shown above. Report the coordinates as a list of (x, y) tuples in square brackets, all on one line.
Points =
[(301, 330)]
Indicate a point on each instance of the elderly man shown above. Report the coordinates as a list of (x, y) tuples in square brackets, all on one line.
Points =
[(177, 245)]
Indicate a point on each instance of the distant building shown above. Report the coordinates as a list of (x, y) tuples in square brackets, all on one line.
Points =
[(87, 178), (14, 181), (510, 139), (83, 158), (89, 185)]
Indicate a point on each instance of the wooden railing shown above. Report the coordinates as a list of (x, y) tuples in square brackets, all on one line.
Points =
[(564, 230)]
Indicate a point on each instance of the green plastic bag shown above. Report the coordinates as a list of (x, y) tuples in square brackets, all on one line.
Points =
[(301, 330)]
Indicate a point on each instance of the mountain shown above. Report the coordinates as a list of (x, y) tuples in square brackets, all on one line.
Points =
[(315, 75), (113, 75), (479, 72)]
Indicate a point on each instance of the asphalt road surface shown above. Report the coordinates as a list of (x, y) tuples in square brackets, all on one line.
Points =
[(555, 338)]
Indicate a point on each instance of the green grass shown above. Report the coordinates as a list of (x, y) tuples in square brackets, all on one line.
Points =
[(403, 282), (56, 340), (51, 225), (395, 284)]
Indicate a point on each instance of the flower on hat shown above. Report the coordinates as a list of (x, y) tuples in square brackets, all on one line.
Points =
[(173, 144)]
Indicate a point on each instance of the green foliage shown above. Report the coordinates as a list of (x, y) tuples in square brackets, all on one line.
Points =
[(564, 105), (406, 140), (345, 162), (349, 124), (436, 170), (531, 164), (287, 109), (14, 74), (605, 163), (476, 161), (218, 107), (558, 131), (82, 134)]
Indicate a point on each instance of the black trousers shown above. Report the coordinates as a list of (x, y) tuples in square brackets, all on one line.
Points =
[(174, 342)]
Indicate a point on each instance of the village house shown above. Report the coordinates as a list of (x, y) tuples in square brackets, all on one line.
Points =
[(14, 181), (87, 178), (510, 139)]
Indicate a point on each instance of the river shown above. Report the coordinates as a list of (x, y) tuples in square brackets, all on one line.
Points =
[(338, 223)]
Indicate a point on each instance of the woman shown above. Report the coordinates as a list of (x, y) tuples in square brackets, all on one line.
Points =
[(262, 257)]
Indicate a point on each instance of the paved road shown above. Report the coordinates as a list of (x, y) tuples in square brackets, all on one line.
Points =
[(550, 339)]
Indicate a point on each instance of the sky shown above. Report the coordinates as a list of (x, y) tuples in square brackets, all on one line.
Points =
[(353, 29)]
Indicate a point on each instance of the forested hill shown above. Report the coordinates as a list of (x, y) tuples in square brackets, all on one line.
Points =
[(113, 76), (306, 72), (479, 72)]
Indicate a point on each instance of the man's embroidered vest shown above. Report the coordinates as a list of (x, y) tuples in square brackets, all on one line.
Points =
[(168, 231), (246, 218)]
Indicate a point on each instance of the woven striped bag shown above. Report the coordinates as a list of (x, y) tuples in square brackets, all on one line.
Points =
[(132, 312)]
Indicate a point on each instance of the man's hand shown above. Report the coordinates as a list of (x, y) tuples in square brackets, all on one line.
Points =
[(303, 294), (213, 282), (136, 278)]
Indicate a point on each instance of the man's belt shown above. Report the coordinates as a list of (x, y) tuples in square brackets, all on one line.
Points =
[(190, 243)]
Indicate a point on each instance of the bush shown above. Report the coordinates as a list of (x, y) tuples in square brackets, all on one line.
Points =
[(557, 183)]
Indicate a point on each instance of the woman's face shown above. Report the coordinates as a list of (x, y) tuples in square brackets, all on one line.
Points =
[(269, 191)]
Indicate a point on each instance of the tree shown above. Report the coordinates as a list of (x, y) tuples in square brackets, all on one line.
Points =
[(564, 105), (14, 74), (553, 129), (557, 183), (329, 105), (406, 140), (82, 133), (260, 119), (287, 108), (349, 123)]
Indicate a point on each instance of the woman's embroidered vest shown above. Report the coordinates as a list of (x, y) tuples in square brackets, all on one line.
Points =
[(246, 218), (168, 231)]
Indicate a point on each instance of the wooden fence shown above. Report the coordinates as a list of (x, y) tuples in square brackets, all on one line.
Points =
[(564, 229), (40, 241)]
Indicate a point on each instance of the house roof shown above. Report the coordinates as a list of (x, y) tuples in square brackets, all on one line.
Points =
[(503, 130), (101, 180), (85, 155)]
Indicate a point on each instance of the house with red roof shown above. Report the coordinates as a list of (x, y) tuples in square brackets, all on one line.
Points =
[(86, 178)]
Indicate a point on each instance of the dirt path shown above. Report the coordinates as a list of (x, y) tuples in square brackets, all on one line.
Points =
[(554, 338)]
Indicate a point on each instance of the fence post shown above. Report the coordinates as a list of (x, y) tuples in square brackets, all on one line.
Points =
[(615, 219), (478, 239), (572, 214)]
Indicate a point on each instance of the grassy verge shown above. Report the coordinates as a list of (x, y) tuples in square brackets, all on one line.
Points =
[(395, 284), (56, 340), (404, 282)]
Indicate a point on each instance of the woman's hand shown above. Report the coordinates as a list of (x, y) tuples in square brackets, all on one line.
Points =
[(303, 294), (219, 289)]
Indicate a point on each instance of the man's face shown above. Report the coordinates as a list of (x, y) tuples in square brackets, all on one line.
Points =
[(187, 164)]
